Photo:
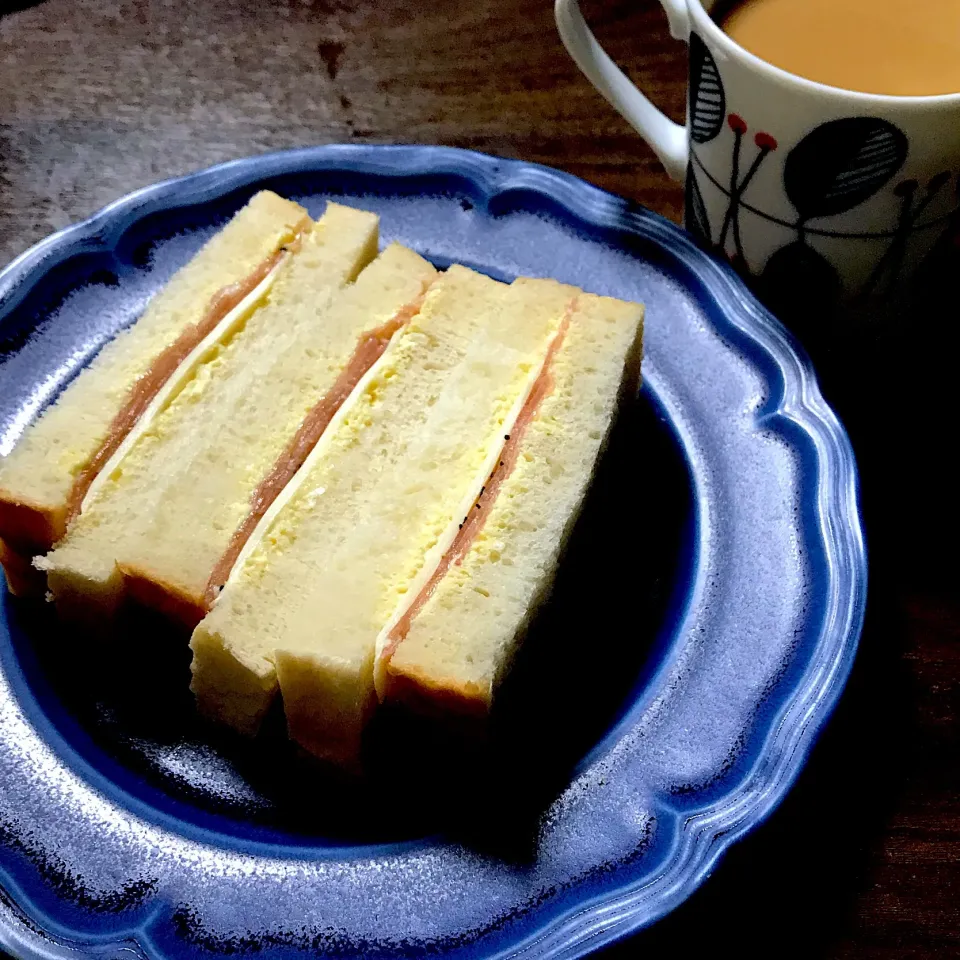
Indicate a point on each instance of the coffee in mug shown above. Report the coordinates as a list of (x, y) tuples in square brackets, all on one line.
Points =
[(872, 46)]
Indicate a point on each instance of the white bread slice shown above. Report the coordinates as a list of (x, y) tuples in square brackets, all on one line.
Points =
[(45, 477), (452, 653), (170, 519), (367, 507)]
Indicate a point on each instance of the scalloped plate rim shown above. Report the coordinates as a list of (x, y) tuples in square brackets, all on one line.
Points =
[(703, 835)]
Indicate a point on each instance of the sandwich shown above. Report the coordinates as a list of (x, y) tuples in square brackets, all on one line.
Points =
[(344, 565), (167, 522), (350, 476), (452, 637), (46, 478)]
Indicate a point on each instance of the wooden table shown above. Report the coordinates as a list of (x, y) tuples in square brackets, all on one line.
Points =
[(98, 98)]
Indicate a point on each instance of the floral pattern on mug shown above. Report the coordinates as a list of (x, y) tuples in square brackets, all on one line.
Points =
[(834, 168)]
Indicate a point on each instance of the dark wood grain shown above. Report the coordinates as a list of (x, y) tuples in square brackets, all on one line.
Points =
[(100, 97), (97, 98)]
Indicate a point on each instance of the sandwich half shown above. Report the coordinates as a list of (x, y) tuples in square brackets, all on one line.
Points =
[(453, 635), (327, 567), (45, 479), (168, 522)]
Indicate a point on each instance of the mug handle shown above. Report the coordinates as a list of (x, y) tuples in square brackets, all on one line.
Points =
[(668, 139)]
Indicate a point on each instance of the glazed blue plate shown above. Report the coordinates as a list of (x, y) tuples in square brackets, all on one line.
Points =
[(700, 633)]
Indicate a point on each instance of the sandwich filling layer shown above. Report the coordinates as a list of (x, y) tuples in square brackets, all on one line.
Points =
[(227, 307), (370, 349), (155, 392)]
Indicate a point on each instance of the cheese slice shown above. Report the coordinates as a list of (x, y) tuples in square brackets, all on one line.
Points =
[(457, 637), (45, 478), (170, 519), (306, 607)]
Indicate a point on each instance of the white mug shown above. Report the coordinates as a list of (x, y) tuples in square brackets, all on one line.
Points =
[(818, 194)]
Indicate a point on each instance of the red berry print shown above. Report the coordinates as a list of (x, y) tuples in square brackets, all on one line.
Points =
[(737, 123), (765, 142)]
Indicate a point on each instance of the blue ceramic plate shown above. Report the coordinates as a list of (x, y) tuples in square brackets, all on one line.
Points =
[(700, 633)]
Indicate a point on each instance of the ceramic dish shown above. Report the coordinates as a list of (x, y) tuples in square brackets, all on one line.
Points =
[(700, 634)]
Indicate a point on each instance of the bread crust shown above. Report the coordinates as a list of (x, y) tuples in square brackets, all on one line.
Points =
[(167, 598), (436, 697), (23, 579), (29, 527)]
